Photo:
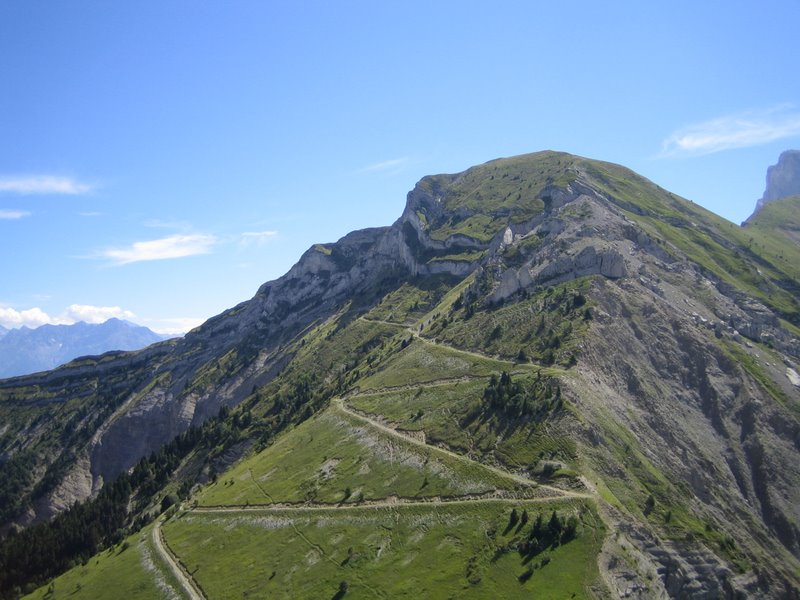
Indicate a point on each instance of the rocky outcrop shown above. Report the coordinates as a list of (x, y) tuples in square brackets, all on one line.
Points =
[(783, 179)]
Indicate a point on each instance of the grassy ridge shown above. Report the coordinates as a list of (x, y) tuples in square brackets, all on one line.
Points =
[(754, 259)]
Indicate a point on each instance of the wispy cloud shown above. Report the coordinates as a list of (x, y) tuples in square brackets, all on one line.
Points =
[(10, 215), (36, 317), (161, 224), (173, 246), (394, 165), (256, 238), (742, 130), (43, 184)]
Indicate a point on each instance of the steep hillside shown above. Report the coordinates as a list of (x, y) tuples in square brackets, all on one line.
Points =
[(25, 350), (780, 216), (544, 335)]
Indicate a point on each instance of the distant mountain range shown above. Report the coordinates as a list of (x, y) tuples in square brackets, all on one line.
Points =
[(26, 350)]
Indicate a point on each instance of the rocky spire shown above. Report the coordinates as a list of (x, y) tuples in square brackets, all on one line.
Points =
[(783, 179)]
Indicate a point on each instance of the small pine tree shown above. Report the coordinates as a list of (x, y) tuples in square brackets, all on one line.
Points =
[(570, 529), (649, 505), (537, 527), (554, 525)]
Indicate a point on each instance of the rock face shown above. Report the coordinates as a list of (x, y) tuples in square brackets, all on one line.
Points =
[(783, 179)]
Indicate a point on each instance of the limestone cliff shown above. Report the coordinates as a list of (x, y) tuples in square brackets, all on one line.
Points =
[(783, 179)]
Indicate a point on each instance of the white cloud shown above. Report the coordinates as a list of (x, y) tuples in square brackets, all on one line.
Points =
[(43, 184), (11, 214), (31, 317), (257, 238), (95, 314), (394, 165), (742, 130), (35, 317), (173, 246)]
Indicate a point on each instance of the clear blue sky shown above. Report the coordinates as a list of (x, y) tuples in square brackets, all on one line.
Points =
[(160, 160)]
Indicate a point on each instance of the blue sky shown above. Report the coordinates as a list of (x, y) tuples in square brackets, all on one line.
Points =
[(160, 160)]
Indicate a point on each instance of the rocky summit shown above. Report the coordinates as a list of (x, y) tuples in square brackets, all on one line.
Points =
[(549, 377), (783, 179)]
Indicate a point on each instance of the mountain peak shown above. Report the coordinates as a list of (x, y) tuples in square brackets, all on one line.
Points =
[(783, 179)]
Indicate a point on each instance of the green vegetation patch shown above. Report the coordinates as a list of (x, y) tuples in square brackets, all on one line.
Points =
[(753, 367), (460, 257), (511, 184), (461, 416), (546, 327), (482, 200), (479, 549), (479, 227), (337, 344), (336, 458), (434, 409), (423, 362), (131, 570), (411, 300)]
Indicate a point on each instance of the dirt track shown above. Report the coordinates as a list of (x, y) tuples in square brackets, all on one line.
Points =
[(188, 584)]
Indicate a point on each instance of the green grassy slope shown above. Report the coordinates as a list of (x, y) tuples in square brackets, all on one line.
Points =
[(460, 550), (130, 570), (334, 458)]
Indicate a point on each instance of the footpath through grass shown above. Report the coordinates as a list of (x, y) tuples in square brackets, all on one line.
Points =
[(464, 550), (333, 458)]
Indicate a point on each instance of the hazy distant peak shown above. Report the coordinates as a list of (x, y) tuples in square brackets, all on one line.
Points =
[(27, 350)]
